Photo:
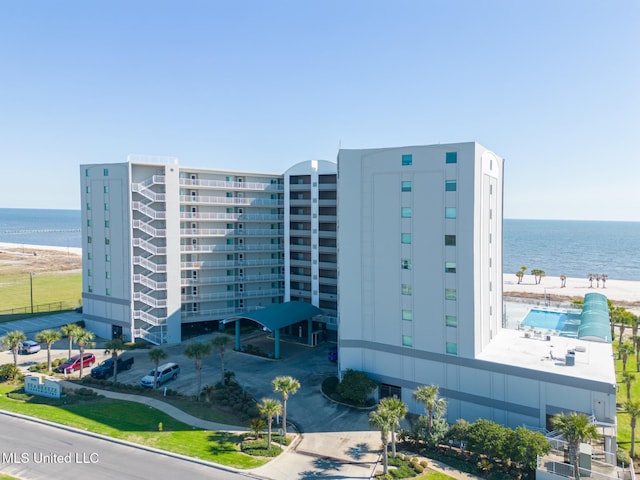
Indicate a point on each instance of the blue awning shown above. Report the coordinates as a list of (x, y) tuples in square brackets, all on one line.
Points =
[(280, 315)]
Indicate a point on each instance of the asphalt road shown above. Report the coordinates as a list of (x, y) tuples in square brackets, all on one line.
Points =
[(28, 450)]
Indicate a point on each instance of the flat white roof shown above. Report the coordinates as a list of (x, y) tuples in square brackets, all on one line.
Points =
[(593, 360)]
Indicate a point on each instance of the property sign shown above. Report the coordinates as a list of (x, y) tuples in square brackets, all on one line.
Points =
[(43, 386)]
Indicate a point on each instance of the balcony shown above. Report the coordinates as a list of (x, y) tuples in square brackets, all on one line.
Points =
[(227, 279), (231, 248), (249, 217), (267, 262), (230, 201), (224, 185)]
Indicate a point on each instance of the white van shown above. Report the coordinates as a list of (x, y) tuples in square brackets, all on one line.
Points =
[(166, 372)]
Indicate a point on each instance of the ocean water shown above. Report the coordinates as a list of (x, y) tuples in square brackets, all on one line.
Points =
[(40, 227), (572, 248)]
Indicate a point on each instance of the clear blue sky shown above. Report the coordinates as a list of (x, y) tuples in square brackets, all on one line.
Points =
[(552, 86)]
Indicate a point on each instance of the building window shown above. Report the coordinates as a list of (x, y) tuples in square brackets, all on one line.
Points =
[(89, 239), (108, 292), (88, 189), (107, 258), (451, 321), (450, 185), (105, 172), (87, 173), (88, 222), (452, 348), (407, 315), (450, 267), (107, 275), (406, 186), (107, 241), (89, 288), (107, 224), (88, 205), (405, 238), (452, 157), (450, 240), (406, 289), (406, 212), (406, 264), (450, 293), (407, 160), (89, 273), (106, 207), (450, 212), (106, 189), (89, 256), (407, 341)]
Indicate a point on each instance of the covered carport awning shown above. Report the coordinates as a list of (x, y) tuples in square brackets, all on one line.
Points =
[(275, 317)]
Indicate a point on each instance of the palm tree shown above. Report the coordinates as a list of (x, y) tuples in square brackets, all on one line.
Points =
[(220, 343), (48, 337), (635, 340), (155, 355), (269, 408), (13, 340), (71, 330), (519, 274), (563, 280), (398, 410), (285, 386), (591, 278), (198, 350), (114, 347), (383, 420), (576, 429), (256, 425), (83, 340), (632, 408), (625, 350), (597, 280), (628, 378), (604, 278), (428, 395)]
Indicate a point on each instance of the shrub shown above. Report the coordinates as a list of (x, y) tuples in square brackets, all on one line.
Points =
[(259, 448), (9, 372), (329, 385), (355, 387)]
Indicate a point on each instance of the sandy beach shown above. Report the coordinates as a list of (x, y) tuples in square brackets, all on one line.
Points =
[(19, 248)]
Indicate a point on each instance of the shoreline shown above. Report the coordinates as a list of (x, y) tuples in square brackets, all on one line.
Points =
[(625, 292)]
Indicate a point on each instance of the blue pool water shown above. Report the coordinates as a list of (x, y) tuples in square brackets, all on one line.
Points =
[(545, 319), (567, 323)]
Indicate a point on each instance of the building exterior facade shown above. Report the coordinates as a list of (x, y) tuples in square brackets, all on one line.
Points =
[(401, 248), (420, 291)]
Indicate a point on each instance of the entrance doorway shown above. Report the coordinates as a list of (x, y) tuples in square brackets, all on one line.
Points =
[(116, 332)]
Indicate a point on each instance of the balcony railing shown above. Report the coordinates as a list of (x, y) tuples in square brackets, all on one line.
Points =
[(239, 201), (267, 262), (224, 185)]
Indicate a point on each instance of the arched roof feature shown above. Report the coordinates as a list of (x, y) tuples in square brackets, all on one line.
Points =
[(280, 315), (594, 320)]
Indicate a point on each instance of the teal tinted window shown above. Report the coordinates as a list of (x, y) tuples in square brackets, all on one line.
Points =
[(405, 263), (407, 160), (452, 157), (450, 267), (450, 212), (451, 320), (406, 289), (450, 240), (407, 315), (407, 341), (405, 238), (452, 348), (406, 212), (450, 293), (105, 172), (450, 185), (406, 186), (88, 189)]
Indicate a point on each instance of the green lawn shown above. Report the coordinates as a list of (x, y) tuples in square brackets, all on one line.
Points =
[(624, 425), (433, 475), (48, 287), (137, 423)]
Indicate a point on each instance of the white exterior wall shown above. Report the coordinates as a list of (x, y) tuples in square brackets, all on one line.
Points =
[(106, 301)]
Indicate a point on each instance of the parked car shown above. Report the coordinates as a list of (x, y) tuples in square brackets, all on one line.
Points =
[(73, 364), (166, 372), (105, 368), (29, 346)]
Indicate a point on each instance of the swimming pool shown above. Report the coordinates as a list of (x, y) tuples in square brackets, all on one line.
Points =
[(566, 323), (545, 319)]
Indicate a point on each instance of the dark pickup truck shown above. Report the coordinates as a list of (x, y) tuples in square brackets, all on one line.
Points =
[(105, 368)]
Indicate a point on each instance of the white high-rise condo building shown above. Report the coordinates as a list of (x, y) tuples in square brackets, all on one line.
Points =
[(420, 292), (401, 249)]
